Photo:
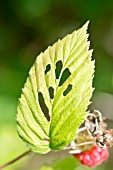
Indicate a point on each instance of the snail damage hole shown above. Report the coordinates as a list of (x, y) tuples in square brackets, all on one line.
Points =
[(66, 73), (48, 68), (51, 92), (43, 106), (68, 89), (58, 69)]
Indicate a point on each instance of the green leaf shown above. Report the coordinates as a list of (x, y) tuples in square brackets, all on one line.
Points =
[(69, 163), (46, 168), (55, 97)]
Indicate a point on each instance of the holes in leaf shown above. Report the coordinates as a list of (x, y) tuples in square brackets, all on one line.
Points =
[(58, 69), (43, 106), (51, 92), (66, 73), (48, 68), (68, 89)]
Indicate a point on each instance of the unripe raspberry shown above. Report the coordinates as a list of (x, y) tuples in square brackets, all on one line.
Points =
[(93, 157)]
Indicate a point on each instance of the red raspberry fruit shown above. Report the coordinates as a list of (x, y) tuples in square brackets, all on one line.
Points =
[(93, 157)]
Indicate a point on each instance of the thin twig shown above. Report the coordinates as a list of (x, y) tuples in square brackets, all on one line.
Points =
[(15, 160), (80, 144), (85, 143), (81, 129)]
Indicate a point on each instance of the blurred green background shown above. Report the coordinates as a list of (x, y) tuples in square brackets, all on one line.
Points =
[(27, 27)]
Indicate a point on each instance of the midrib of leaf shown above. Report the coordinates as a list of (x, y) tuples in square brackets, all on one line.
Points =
[(69, 102), (64, 86)]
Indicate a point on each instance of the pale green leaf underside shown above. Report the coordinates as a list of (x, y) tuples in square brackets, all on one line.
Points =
[(56, 125)]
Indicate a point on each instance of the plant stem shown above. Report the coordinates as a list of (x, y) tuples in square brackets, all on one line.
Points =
[(15, 160)]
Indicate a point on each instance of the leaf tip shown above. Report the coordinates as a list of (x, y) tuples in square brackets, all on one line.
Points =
[(85, 26)]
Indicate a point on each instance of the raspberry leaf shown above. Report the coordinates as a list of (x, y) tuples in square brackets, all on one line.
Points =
[(69, 163), (56, 94)]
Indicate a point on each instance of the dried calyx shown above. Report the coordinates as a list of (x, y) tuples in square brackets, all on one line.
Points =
[(108, 137), (96, 127), (93, 132)]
